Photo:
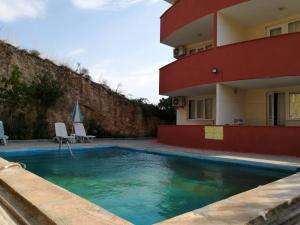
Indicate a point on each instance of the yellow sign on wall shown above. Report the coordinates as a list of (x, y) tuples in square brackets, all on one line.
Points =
[(214, 133)]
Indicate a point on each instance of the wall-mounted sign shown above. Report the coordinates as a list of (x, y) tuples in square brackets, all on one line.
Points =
[(214, 133)]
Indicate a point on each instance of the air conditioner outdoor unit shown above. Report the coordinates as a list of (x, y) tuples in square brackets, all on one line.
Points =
[(178, 102), (179, 52)]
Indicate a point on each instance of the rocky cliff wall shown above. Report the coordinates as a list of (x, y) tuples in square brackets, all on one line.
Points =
[(113, 112)]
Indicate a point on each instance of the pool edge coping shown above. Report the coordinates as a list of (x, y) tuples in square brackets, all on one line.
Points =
[(237, 208)]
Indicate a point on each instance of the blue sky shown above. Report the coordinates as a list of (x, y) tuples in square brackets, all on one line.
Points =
[(117, 40)]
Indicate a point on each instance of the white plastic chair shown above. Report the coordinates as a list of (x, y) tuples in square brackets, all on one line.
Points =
[(61, 134), (3, 137), (81, 134)]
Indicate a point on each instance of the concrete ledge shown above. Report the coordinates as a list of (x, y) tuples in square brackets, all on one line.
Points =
[(41, 202), (21, 210), (263, 205)]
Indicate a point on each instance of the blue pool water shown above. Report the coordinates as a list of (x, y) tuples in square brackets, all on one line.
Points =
[(141, 187)]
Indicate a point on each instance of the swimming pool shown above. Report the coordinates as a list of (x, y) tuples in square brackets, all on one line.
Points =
[(143, 187)]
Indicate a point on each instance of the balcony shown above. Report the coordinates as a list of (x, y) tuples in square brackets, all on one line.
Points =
[(256, 59), (249, 139), (184, 12)]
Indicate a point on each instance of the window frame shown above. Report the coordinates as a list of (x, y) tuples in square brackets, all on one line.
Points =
[(203, 109), (284, 26), (292, 21), (212, 108), (203, 99), (289, 106), (189, 111)]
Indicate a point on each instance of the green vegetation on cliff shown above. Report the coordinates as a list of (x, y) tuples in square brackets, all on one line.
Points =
[(25, 104)]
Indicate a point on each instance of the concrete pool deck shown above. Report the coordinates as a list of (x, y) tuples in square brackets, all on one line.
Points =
[(271, 202)]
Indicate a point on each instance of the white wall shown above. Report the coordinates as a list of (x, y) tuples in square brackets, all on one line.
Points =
[(256, 106), (231, 31), (229, 104)]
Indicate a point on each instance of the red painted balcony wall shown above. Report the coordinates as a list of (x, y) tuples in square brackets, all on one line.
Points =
[(263, 140), (261, 58), (184, 12)]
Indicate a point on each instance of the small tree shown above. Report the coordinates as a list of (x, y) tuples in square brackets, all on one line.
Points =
[(84, 71), (87, 76), (35, 53), (119, 88), (167, 111)]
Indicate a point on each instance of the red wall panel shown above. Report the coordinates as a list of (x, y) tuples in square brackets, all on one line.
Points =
[(262, 58), (263, 140)]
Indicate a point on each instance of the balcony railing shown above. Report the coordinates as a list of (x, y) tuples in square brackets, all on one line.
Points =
[(262, 58), (184, 12), (256, 139)]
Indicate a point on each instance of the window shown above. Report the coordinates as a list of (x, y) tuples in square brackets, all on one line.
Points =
[(270, 106), (193, 51), (201, 108), (208, 108), (192, 111), (210, 46), (284, 28), (275, 31), (294, 106), (294, 27)]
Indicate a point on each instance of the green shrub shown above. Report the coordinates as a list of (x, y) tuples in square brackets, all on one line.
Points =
[(164, 110), (34, 53)]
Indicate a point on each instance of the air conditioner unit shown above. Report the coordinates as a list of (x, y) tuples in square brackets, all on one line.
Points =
[(178, 102), (179, 52)]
